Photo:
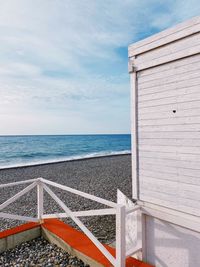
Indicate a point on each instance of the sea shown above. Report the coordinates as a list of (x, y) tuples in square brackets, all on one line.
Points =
[(37, 149)]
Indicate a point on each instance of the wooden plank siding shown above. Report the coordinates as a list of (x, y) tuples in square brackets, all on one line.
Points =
[(169, 50), (183, 65), (167, 69), (170, 35)]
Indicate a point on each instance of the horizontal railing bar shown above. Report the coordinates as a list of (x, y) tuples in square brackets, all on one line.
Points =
[(18, 195), (80, 193), (133, 209), (82, 213), (82, 226), (55, 215), (132, 251), (18, 183), (17, 217)]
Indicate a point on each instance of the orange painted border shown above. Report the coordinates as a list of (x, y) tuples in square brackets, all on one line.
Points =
[(75, 239), (18, 229), (83, 244)]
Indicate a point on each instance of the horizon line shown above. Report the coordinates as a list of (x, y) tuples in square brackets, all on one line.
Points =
[(4, 135)]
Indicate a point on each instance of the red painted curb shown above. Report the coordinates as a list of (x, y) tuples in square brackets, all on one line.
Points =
[(76, 239), (83, 244), (18, 229)]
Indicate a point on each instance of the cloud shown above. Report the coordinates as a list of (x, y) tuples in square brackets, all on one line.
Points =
[(67, 60)]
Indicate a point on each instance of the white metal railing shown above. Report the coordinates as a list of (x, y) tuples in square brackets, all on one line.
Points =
[(114, 209)]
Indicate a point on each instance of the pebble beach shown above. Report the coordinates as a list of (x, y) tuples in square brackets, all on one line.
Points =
[(100, 176), (38, 252)]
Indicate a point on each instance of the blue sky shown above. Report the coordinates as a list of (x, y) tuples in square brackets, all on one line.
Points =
[(63, 64)]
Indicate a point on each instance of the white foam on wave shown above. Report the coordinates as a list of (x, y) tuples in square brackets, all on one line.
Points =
[(67, 158)]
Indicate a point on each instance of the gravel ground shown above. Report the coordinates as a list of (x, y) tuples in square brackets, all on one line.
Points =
[(99, 176), (38, 252)]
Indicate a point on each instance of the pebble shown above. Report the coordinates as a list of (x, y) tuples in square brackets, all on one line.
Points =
[(98, 176), (40, 253)]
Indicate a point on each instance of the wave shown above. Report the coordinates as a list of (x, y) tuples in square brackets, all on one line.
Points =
[(66, 158)]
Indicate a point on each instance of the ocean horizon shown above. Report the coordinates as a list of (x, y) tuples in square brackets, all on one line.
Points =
[(23, 150)]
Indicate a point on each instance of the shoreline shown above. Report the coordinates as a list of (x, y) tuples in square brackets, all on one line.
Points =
[(63, 161)]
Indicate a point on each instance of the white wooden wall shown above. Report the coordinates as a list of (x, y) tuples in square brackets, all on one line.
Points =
[(169, 245), (166, 115)]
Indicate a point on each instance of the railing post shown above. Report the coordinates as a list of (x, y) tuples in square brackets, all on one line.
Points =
[(121, 236), (40, 208), (143, 231)]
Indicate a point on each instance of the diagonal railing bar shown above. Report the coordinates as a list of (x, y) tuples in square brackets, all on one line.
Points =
[(18, 183), (18, 195), (83, 194), (83, 213), (138, 246), (105, 252), (17, 217), (133, 251), (133, 209)]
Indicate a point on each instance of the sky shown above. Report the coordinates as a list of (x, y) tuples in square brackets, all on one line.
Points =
[(63, 63)]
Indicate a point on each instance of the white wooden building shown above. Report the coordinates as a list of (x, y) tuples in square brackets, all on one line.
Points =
[(165, 89)]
